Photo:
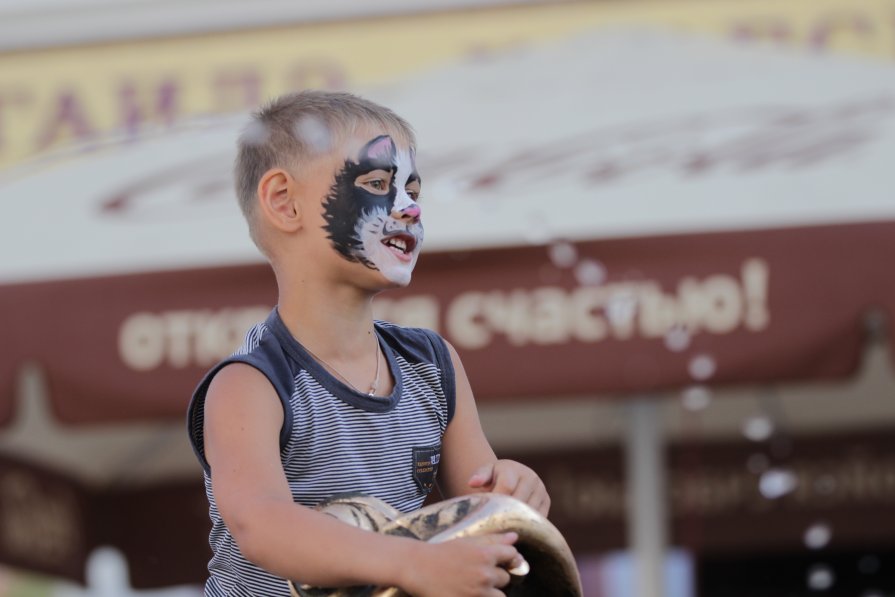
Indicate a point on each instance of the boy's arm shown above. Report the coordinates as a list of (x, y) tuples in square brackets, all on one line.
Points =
[(243, 417), (468, 463)]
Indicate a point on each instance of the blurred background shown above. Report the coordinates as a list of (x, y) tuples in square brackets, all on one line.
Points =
[(660, 234)]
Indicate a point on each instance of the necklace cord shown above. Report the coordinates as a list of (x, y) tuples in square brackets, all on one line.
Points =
[(373, 386)]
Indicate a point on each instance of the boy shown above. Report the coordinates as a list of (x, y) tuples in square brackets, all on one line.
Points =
[(320, 400)]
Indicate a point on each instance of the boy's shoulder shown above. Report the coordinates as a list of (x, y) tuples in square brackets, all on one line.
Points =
[(423, 343), (263, 349)]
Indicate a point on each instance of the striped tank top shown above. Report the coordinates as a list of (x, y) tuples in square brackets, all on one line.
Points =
[(334, 439)]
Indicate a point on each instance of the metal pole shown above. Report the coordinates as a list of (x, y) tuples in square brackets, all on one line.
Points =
[(646, 496)]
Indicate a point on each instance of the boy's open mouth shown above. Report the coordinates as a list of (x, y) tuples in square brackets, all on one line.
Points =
[(400, 242)]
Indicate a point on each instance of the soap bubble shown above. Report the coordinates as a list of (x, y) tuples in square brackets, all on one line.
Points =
[(677, 339), (621, 308), (776, 482), (820, 577), (255, 133), (696, 398), (563, 254), (758, 428), (818, 535), (702, 367), (313, 133), (590, 272)]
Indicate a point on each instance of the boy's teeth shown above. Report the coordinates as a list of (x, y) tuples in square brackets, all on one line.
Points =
[(398, 243)]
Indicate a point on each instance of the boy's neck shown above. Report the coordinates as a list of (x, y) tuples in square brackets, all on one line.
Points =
[(333, 323)]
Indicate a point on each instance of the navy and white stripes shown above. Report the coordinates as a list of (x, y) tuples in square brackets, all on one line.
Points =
[(335, 439)]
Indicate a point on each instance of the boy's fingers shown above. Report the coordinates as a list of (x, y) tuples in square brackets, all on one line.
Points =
[(502, 578), (500, 545), (505, 555), (501, 538), (518, 566), (506, 482), (482, 476), (509, 538), (527, 490)]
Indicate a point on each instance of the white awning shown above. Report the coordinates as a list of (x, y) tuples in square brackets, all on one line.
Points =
[(617, 133)]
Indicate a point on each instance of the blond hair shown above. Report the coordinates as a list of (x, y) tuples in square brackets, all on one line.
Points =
[(296, 127)]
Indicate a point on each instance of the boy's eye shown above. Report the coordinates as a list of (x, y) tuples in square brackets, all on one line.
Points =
[(413, 194), (376, 181)]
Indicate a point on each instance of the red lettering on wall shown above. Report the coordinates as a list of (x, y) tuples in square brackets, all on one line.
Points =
[(820, 33), (831, 25), (768, 29), (160, 106), (318, 73), (237, 90), (69, 117)]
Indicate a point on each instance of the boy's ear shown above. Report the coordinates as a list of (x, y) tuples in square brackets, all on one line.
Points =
[(278, 201)]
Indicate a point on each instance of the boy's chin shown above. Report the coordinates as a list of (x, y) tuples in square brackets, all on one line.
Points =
[(396, 279), (395, 275), (378, 281)]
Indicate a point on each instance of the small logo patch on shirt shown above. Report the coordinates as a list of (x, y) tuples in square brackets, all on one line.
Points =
[(425, 466)]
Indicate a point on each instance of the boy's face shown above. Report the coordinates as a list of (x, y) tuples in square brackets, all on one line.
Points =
[(371, 214)]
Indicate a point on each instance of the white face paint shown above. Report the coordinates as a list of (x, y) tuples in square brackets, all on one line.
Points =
[(393, 243), (372, 215)]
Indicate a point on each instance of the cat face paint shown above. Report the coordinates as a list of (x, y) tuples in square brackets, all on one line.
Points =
[(371, 216)]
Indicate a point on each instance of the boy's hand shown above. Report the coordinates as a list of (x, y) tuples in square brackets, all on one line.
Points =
[(467, 567), (513, 478)]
